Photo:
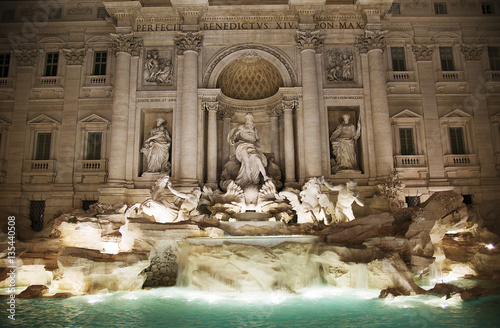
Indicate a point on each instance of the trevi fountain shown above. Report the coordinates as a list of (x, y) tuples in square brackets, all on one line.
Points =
[(254, 253)]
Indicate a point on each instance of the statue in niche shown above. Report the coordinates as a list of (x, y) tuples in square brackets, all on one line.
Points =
[(343, 141), (157, 148), (157, 70), (252, 160), (347, 195), (340, 65)]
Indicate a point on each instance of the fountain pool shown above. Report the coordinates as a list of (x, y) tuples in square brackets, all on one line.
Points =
[(312, 307)]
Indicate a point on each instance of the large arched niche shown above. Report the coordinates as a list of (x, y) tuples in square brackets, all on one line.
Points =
[(228, 56)]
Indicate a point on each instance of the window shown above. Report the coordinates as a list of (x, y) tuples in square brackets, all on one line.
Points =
[(457, 140), (102, 13), (487, 8), (446, 55), (94, 145), (42, 149), (395, 8), (440, 8), (4, 65), (8, 15), (494, 55), (51, 60), (37, 211), (407, 142), (55, 13), (100, 63), (398, 59), (412, 200)]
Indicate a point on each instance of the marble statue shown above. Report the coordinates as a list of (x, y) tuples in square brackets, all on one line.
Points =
[(310, 208), (343, 141), (347, 195), (189, 206), (157, 205), (253, 161), (157, 148)]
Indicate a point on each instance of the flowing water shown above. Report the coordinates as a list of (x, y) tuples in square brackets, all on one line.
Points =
[(313, 307)]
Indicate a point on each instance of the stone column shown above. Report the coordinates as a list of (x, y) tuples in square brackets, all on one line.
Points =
[(67, 145), (211, 108), (25, 60), (189, 45), (478, 105), (124, 46), (288, 107), (373, 43), (225, 115), (274, 115), (308, 43), (434, 148)]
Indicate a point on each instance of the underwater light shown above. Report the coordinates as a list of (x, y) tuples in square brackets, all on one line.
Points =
[(110, 247), (490, 246)]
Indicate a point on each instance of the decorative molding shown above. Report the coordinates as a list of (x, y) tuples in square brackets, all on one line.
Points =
[(188, 41), (289, 104), (74, 56), (225, 112), (471, 51), (25, 57), (79, 10), (126, 43), (232, 50), (309, 40), (211, 105), (370, 41), (276, 111), (423, 52)]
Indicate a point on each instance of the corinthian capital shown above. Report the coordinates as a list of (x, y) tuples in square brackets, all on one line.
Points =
[(74, 56), (25, 57), (127, 43), (471, 51), (188, 41), (371, 40), (423, 51), (308, 40)]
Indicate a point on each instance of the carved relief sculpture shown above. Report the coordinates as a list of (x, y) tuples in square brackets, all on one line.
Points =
[(339, 65), (156, 69), (343, 142), (157, 148)]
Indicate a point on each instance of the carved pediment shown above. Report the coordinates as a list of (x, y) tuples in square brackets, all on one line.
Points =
[(52, 40), (456, 115), (95, 121), (406, 113), (43, 121)]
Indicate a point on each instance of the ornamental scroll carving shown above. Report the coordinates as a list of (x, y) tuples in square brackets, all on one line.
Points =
[(188, 41), (74, 56), (25, 57), (370, 41), (127, 43), (309, 40), (79, 10), (276, 111), (471, 51), (224, 112), (423, 51)]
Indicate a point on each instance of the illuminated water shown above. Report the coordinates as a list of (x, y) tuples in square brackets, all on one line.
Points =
[(320, 307)]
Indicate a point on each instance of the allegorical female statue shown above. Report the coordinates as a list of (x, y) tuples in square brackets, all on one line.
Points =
[(157, 148), (253, 161), (343, 141)]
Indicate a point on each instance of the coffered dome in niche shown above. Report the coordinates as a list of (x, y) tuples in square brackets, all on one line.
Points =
[(249, 78)]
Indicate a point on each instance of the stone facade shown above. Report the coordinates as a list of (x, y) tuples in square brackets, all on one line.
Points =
[(83, 84)]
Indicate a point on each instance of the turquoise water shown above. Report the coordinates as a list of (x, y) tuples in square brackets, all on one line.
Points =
[(317, 307)]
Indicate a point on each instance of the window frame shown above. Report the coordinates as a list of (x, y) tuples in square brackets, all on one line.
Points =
[(456, 147), (485, 5), (440, 8), (42, 154), (97, 66), (454, 119), (5, 65), (406, 144), (399, 60), (494, 62), (52, 68), (447, 63), (93, 153)]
